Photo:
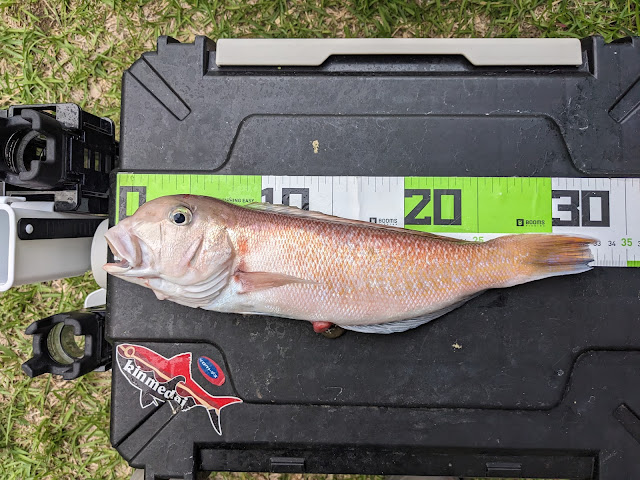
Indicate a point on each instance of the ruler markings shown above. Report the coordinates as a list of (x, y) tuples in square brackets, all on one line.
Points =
[(599, 208), (626, 225), (477, 206), (332, 196)]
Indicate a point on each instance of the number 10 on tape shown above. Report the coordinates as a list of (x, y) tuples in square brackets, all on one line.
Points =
[(473, 208)]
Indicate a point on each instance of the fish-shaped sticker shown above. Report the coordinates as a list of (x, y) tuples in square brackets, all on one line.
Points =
[(160, 379)]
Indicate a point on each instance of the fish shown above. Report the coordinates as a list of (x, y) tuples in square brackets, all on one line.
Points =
[(281, 261)]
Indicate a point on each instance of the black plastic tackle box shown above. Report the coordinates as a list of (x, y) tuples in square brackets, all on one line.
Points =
[(540, 380)]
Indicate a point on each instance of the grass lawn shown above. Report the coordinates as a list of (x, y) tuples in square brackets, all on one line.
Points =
[(74, 50)]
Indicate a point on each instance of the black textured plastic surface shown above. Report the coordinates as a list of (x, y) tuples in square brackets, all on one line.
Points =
[(545, 384)]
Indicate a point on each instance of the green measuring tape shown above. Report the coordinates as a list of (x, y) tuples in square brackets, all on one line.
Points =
[(473, 208)]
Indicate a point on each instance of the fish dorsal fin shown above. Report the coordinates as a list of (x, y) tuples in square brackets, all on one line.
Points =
[(398, 326), (297, 212)]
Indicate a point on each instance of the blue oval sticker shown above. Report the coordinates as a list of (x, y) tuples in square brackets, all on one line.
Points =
[(211, 371)]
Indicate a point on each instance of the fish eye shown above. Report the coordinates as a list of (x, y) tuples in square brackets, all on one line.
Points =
[(180, 216)]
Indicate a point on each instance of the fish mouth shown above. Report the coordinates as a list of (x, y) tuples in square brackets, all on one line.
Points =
[(126, 250), (121, 266)]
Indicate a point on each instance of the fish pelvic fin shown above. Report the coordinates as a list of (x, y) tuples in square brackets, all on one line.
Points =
[(540, 256), (255, 281)]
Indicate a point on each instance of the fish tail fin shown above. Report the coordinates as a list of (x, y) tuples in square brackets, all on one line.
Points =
[(540, 256)]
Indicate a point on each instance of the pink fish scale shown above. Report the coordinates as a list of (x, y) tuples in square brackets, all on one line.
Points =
[(361, 273)]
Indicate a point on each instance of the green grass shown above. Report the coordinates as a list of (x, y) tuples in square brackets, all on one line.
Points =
[(49, 427), (73, 50)]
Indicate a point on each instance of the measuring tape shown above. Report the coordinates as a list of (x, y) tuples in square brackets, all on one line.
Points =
[(471, 208)]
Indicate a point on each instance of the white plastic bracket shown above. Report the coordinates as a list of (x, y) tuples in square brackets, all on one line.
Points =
[(39, 260)]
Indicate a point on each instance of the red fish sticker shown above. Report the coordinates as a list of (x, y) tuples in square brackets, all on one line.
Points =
[(211, 371), (160, 379)]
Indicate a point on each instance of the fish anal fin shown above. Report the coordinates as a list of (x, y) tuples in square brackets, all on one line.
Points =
[(398, 326), (256, 281)]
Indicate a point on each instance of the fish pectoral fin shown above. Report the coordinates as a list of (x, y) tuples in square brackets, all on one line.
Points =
[(255, 281), (398, 326)]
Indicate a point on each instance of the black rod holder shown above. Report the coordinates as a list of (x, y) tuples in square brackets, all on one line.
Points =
[(56, 346)]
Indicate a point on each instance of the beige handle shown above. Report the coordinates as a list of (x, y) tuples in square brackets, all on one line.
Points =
[(479, 51)]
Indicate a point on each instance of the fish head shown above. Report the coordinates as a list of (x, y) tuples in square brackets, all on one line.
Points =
[(174, 245)]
